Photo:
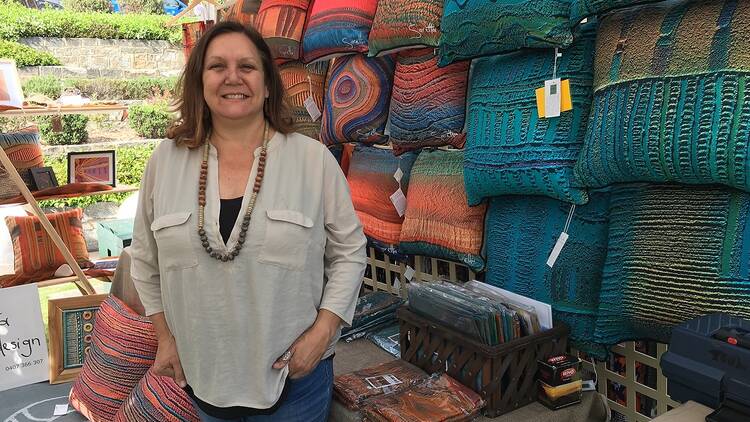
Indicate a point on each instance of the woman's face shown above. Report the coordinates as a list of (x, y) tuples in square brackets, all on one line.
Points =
[(233, 81)]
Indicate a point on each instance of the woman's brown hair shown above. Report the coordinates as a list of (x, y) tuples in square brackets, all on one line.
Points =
[(194, 124)]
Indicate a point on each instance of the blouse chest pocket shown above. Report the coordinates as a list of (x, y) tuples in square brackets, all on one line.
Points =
[(287, 239), (172, 235)]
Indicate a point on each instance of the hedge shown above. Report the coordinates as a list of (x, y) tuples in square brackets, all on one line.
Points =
[(102, 88), (26, 56), (17, 21), (150, 120)]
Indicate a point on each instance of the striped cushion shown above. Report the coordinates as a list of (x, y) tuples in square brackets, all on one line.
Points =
[(670, 96), (580, 9), (510, 150), (372, 183), (36, 256), (281, 23), (438, 222), (521, 232), (24, 151), (405, 23), (675, 253), (244, 12), (428, 102), (336, 27), (122, 349), (191, 32), (357, 96), (294, 76), (473, 28), (157, 399)]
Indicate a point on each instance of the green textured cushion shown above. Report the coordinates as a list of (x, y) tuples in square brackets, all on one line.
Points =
[(581, 9), (671, 101)]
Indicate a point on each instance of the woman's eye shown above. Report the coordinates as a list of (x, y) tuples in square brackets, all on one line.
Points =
[(248, 67), (215, 66)]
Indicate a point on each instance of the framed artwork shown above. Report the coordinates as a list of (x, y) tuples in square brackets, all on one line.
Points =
[(44, 177), (11, 94), (71, 326), (92, 167)]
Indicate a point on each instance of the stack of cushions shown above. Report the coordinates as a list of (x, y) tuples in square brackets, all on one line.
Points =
[(36, 256), (509, 148), (357, 97), (113, 383), (372, 183), (244, 12), (25, 152), (521, 233), (580, 9), (405, 24), (300, 82), (438, 222), (428, 102), (336, 27), (474, 28), (670, 97), (281, 22), (353, 390), (191, 32), (675, 253)]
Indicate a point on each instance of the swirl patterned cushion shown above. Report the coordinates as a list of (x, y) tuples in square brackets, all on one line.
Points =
[(510, 150), (300, 82), (676, 252), (474, 28), (670, 96), (519, 262), (337, 27), (405, 23), (157, 399), (281, 23), (428, 102), (438, 222), (24, 150), (357, 98)]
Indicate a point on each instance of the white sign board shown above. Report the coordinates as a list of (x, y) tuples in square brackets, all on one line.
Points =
[(23, 347)]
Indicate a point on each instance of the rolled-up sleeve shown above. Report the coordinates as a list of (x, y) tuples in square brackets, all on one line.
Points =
[(345, 255), (144, 268)]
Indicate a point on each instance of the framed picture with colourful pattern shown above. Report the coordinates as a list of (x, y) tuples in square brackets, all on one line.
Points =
[(92, 167), (71, 330)]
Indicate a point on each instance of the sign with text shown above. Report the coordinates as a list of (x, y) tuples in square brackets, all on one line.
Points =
[(23, 347)]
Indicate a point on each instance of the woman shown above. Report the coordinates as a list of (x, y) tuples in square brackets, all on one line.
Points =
[(247, 253)]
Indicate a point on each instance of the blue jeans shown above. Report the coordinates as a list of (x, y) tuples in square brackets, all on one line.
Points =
[(308, 399)]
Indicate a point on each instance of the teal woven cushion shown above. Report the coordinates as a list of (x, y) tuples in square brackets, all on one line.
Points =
[(521, 232), (474, 28), (676, 252), (509, 149), (580, 9), (671, 101)]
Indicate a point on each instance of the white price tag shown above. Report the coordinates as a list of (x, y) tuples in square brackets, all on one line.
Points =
[(60, 410), (398, 175), (397, 284), (312, 108), (409, 273), (556, 250), (399, 201), (552, 98)]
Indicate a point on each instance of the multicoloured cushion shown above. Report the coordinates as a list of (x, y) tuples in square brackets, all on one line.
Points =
[(670, 97), (474, 28), (372, 183), (25, 152), (510, 150), (357, 98), (336, 27), (438, 222), (157, 399), (244, 12), (191, 32), (405, 23), (36, 256), (281, 23), (676, 252), (521, 233), (580, 9), (428, 102), (122, 349), (301, 81)]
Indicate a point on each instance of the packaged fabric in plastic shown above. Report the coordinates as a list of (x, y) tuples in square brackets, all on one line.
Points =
[(439, 399), (374, 310), (354, 388), (387, 339)]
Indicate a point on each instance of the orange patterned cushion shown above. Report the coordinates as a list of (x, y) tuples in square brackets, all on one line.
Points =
[(36, 256)]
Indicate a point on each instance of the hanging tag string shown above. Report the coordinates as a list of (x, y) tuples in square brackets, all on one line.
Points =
[(554, 67), (570, 218)]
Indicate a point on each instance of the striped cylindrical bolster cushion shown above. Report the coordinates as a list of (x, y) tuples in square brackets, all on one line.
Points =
[(122, 349), (157, 399)]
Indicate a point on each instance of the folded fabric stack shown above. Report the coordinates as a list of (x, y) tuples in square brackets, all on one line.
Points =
[(353, 389), (374, 311), (387, 339)]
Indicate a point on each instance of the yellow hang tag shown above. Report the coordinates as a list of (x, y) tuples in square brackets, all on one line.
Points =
[(566, 103)]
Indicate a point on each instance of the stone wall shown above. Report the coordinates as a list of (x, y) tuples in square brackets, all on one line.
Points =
[(93, 57)]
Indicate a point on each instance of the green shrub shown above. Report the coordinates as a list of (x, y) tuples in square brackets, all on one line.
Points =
[(45, 85), (73, 130), (153, 7), (17, 21), (25, 55), (124, 89), (87, 5), (150, 120)]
